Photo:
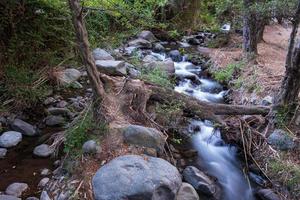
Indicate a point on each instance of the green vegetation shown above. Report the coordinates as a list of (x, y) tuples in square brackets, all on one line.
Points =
[(82, 129), (157, 76), (228, 73), (288, 173)]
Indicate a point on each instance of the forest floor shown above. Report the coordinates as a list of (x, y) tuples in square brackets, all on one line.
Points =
[(269, 67)]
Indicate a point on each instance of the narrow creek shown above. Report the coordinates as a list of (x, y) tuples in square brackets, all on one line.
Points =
[(217, 158)]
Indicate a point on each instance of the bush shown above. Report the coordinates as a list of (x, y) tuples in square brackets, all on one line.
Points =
[(226, 74)]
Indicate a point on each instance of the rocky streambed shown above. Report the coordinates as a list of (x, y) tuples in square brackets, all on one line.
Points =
[(207, 168)]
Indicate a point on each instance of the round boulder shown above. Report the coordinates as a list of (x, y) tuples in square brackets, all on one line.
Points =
[(42, 150), (91, 147), (281, 140), (10, 139), (16, 189), (136, 177), (24, 127)]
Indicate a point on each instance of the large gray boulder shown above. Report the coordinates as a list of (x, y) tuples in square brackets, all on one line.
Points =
[(101, 54), (16, 189), (281, 140), (111, 67), (187, 192), (200, 181), (147, 35), (8, 197), (42, 150), (140, 43), (23, 127), (10, 139), (144, 136), (134, 177)]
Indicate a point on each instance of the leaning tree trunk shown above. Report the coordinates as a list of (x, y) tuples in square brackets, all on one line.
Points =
[(290, 86), (89, 62), (249, 29)]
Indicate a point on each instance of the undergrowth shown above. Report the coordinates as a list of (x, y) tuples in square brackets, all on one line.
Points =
[(82, 129), (228, 73), (157, 76), (288, 173)]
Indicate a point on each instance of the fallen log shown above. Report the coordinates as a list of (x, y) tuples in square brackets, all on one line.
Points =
[(196, 106)]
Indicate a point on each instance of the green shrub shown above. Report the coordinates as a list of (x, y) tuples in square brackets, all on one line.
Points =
[(156, 76), (226, 74)]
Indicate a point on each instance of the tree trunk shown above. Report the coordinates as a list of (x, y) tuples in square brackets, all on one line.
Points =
[(249, 29), (290, 86), (88, 60)]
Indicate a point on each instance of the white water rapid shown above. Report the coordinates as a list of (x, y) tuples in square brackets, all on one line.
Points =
[(217, 158)]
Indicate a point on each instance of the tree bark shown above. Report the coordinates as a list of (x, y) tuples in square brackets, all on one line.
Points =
[(88, 60), (290, 86), (249, 29)]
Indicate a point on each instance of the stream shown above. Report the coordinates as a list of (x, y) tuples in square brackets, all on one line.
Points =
[(217, 158)]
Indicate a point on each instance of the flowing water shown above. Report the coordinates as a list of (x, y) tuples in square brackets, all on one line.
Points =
[(217, 158)]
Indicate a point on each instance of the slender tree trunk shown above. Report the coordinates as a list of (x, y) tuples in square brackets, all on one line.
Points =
[(89, 62), (290, 86), (249, 29)]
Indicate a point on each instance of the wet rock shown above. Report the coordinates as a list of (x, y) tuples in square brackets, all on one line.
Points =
[(43, 182), (3, 152), (16, 189), (8, 197), (267, 194), (147, 35), (257, 179), (138, 178), (267, 101), (101, 54), (201, 182), (187, 192), (69, 76), (49, 100), (175, 56), (158, 48), (111, 67), (23, 127), (281, 140), (53, 120), (144, 136), (129, 51), (10, 139), (91, 147), (140, 43), (43, 150), (44, 196)]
